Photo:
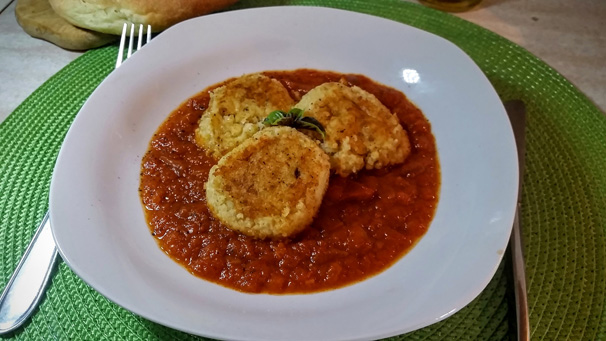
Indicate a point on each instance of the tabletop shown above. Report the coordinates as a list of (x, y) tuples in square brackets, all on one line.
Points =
[(567, 35)]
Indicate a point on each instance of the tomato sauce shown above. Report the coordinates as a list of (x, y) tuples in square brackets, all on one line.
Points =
[(366, 222)]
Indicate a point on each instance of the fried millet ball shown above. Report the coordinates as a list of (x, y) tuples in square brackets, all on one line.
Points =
[(236, 111), (360, 131), (271, 185)]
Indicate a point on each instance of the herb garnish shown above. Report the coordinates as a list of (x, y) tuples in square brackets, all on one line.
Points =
[(294, 118)]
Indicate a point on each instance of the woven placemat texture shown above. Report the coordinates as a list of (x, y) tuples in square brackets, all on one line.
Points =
[(563, 214)]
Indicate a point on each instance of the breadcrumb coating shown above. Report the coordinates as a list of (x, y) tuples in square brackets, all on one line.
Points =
[(271, 185), (360, 131), (236, 110)]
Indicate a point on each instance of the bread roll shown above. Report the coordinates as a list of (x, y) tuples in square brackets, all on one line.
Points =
[(108, 16), (38, 19)]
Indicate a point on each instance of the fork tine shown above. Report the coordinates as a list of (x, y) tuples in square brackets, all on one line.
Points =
[(140, 37), (121, 50), (131, 38), (130, 41)]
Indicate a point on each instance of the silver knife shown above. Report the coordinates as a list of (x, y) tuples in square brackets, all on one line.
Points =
[(517, 116), (26, 286)]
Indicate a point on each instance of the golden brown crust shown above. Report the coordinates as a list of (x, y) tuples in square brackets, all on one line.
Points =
[(271, 185), (108, 15), (361, 133), (39, 20), (236, 111)]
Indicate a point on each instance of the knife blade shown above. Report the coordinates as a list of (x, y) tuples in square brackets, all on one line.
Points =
[(516, 111)]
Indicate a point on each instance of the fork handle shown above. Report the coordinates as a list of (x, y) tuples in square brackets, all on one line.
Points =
[(26, 286)]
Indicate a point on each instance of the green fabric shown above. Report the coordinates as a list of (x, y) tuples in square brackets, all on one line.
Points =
[(563, 214)]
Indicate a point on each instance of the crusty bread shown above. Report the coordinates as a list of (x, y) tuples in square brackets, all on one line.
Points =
[(360, 131), (108, 16), (236, 111), (271, 185), (39, 20)]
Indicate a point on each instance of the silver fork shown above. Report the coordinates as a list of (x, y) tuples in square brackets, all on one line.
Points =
[(26, 286), (131, 41)]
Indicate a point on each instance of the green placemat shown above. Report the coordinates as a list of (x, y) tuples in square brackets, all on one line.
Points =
[(564, 200)]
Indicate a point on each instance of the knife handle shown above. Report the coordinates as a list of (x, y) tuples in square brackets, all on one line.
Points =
[(26, 286), (519, 277)]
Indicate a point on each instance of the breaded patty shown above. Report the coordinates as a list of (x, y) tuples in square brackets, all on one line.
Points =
[(236, 109), (271, 185), (360, 131)]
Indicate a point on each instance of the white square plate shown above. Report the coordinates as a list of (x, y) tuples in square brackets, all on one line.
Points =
[(98, 220)]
